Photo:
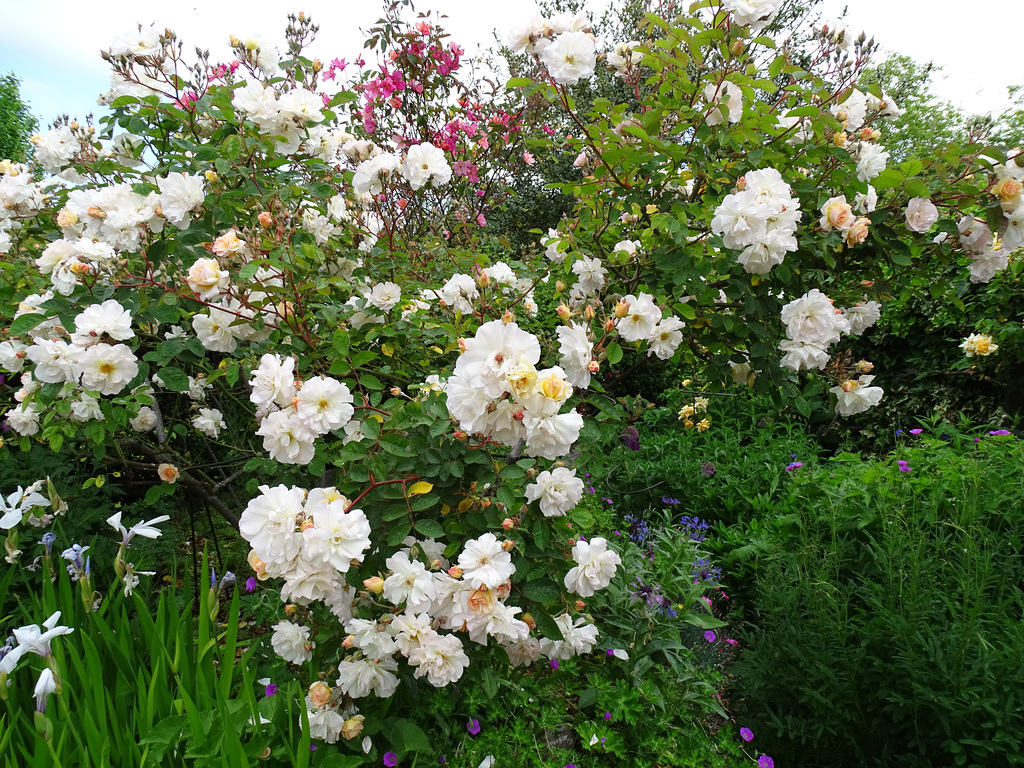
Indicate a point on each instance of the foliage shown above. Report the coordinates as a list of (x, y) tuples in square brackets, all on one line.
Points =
[(16, 121), (167, 684), (883, 630)]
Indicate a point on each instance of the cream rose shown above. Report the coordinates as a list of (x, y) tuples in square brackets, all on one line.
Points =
[(1008, 190), (858, 231), (206, 278), (836, 213)]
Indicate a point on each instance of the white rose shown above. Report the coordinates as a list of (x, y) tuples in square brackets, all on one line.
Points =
[(921, 214)]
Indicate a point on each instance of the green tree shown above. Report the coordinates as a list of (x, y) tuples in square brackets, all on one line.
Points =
[(927, 122), (16, 122)]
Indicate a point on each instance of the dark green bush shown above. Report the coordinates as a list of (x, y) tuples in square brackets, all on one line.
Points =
[(886, 628)]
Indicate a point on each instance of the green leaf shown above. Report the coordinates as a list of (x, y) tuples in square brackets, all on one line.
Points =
[(369, 381), (890, 178), (686, 311), (542, 590), (338, 760), (614, 353), (341, 342), (174, 379), (26, 322), (917, 188), (547, 626), (430, 528), (703, 621), (398, 533), (407, 736)]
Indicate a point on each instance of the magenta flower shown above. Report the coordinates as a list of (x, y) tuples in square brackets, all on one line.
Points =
[(554, 663), (473, 726), (250, 584), (390, 759), (904, 466), (746, 734), (765, 762), (607, 715), (271, 689), (709, 636)]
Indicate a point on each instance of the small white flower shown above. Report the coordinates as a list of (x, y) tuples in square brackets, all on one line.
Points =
[(291, 642), (209, 421), (558, 491), (595, 568)]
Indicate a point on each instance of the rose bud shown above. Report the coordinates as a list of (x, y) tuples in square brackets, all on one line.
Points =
[(374, 584)]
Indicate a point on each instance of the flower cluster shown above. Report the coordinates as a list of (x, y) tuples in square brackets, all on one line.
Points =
[(21, 198), (690, 410), (89, 362), (310, 540), (293, 414), (496, 390), (562, 43), (760, 219), (978, 345)]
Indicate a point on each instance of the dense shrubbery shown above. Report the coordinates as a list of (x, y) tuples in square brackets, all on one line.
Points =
[(884, 626)]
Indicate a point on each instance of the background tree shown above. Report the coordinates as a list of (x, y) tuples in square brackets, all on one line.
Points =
[(16, 121)]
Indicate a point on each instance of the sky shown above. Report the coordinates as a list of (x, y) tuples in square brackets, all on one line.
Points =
[(53, 45)]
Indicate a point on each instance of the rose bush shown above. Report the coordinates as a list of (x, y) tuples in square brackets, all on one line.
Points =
[(270, 282)]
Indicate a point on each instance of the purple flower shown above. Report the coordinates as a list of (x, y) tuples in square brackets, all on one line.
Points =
[(705, 571), (696, 527), (390, 759), (1000, 432), (473, 726), (250, 584), (913, 432), (607, 715), (570, 765), (668, 500), (312, 747), (631, 438), (794, 465), (271, 689), (709, 636), (904, 466), (765, 762), (554, 663), (708, 469), (746, 734)]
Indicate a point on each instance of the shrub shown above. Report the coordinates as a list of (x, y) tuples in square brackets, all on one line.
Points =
[(886, 627)]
